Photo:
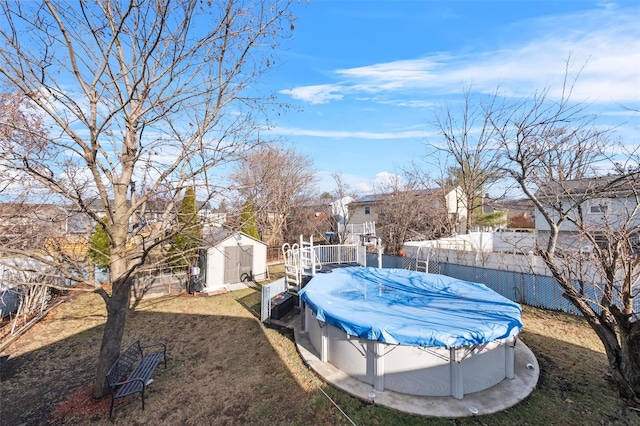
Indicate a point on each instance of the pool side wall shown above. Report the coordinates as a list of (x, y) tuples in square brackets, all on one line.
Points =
[(409, 369)]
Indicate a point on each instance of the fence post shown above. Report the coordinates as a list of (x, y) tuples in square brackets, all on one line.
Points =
[(532, 262), (312, 253)]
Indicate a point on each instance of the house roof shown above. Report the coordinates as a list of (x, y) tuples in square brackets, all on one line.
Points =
[(601, 186), (373, 198), (153, 205), (33, 210)]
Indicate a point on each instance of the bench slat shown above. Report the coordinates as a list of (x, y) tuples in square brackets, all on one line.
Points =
[(132, 371), (142, 371)]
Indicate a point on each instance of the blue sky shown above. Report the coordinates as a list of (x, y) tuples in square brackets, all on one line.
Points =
[(364, 78)]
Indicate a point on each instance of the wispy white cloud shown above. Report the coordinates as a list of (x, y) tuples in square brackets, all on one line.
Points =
[(411, 103), (602, 44), (319, 94), (335, 134)]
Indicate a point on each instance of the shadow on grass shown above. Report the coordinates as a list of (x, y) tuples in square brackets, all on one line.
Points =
[(573, 386), (252, 303), (220, 369), (223, 367)]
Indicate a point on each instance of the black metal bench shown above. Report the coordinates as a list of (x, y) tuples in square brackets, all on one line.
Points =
[(131, 373)]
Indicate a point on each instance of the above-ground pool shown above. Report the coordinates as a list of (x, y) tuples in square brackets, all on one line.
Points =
[(412, 332)]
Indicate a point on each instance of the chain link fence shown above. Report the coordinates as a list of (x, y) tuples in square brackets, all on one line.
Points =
[(536, 290)]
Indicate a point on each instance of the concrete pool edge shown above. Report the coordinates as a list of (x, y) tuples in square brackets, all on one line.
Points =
[(504, 395)]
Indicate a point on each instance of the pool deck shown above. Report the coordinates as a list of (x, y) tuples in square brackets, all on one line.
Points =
[(506, 394)]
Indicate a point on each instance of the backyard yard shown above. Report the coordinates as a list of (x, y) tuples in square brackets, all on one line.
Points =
[(225, 368)]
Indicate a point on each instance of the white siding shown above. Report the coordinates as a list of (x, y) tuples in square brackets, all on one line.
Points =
[(617, 211), (357, 213), (216, 260)]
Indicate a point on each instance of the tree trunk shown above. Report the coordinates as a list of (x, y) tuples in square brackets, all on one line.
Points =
[(619, 336), (626, 370), (621, 341), (117, 308), (118, 303)]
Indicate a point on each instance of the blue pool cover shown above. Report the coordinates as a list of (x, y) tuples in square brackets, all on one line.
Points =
[(399, 306)]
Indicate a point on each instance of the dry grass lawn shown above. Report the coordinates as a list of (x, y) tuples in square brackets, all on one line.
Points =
[(226, 368)]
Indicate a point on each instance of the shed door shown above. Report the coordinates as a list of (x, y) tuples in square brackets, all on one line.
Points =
[(238, 261)]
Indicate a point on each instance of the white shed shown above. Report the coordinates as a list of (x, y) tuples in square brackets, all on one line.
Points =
[(233, 257)]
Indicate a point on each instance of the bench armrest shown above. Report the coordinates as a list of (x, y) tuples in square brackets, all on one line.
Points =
[(137, 379)]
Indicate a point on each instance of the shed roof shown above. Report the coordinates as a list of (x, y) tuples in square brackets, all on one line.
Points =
[(215, 235)]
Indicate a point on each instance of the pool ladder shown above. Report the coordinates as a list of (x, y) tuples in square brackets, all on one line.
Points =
[(299, 263)]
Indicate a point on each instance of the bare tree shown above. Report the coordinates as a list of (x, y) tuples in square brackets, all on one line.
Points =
[(589, 223), (408, 210), (25, 290), (342, 196), (21, 122), (329, 212), (26, 285), (469, 138), (139, 98), (274, 179), (311, 219)]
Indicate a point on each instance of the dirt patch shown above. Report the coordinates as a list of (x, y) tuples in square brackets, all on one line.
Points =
[(82, 406)]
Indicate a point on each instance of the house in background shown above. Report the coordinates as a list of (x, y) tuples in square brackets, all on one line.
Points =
[(210, 216), (518, 213), (151, 213), (25, 225), (232, 257), (372, 208), (312, 219), (603, 204)]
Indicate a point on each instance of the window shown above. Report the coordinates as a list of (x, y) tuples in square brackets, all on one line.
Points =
[(602, 241), (367, 209), (598, 207)]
